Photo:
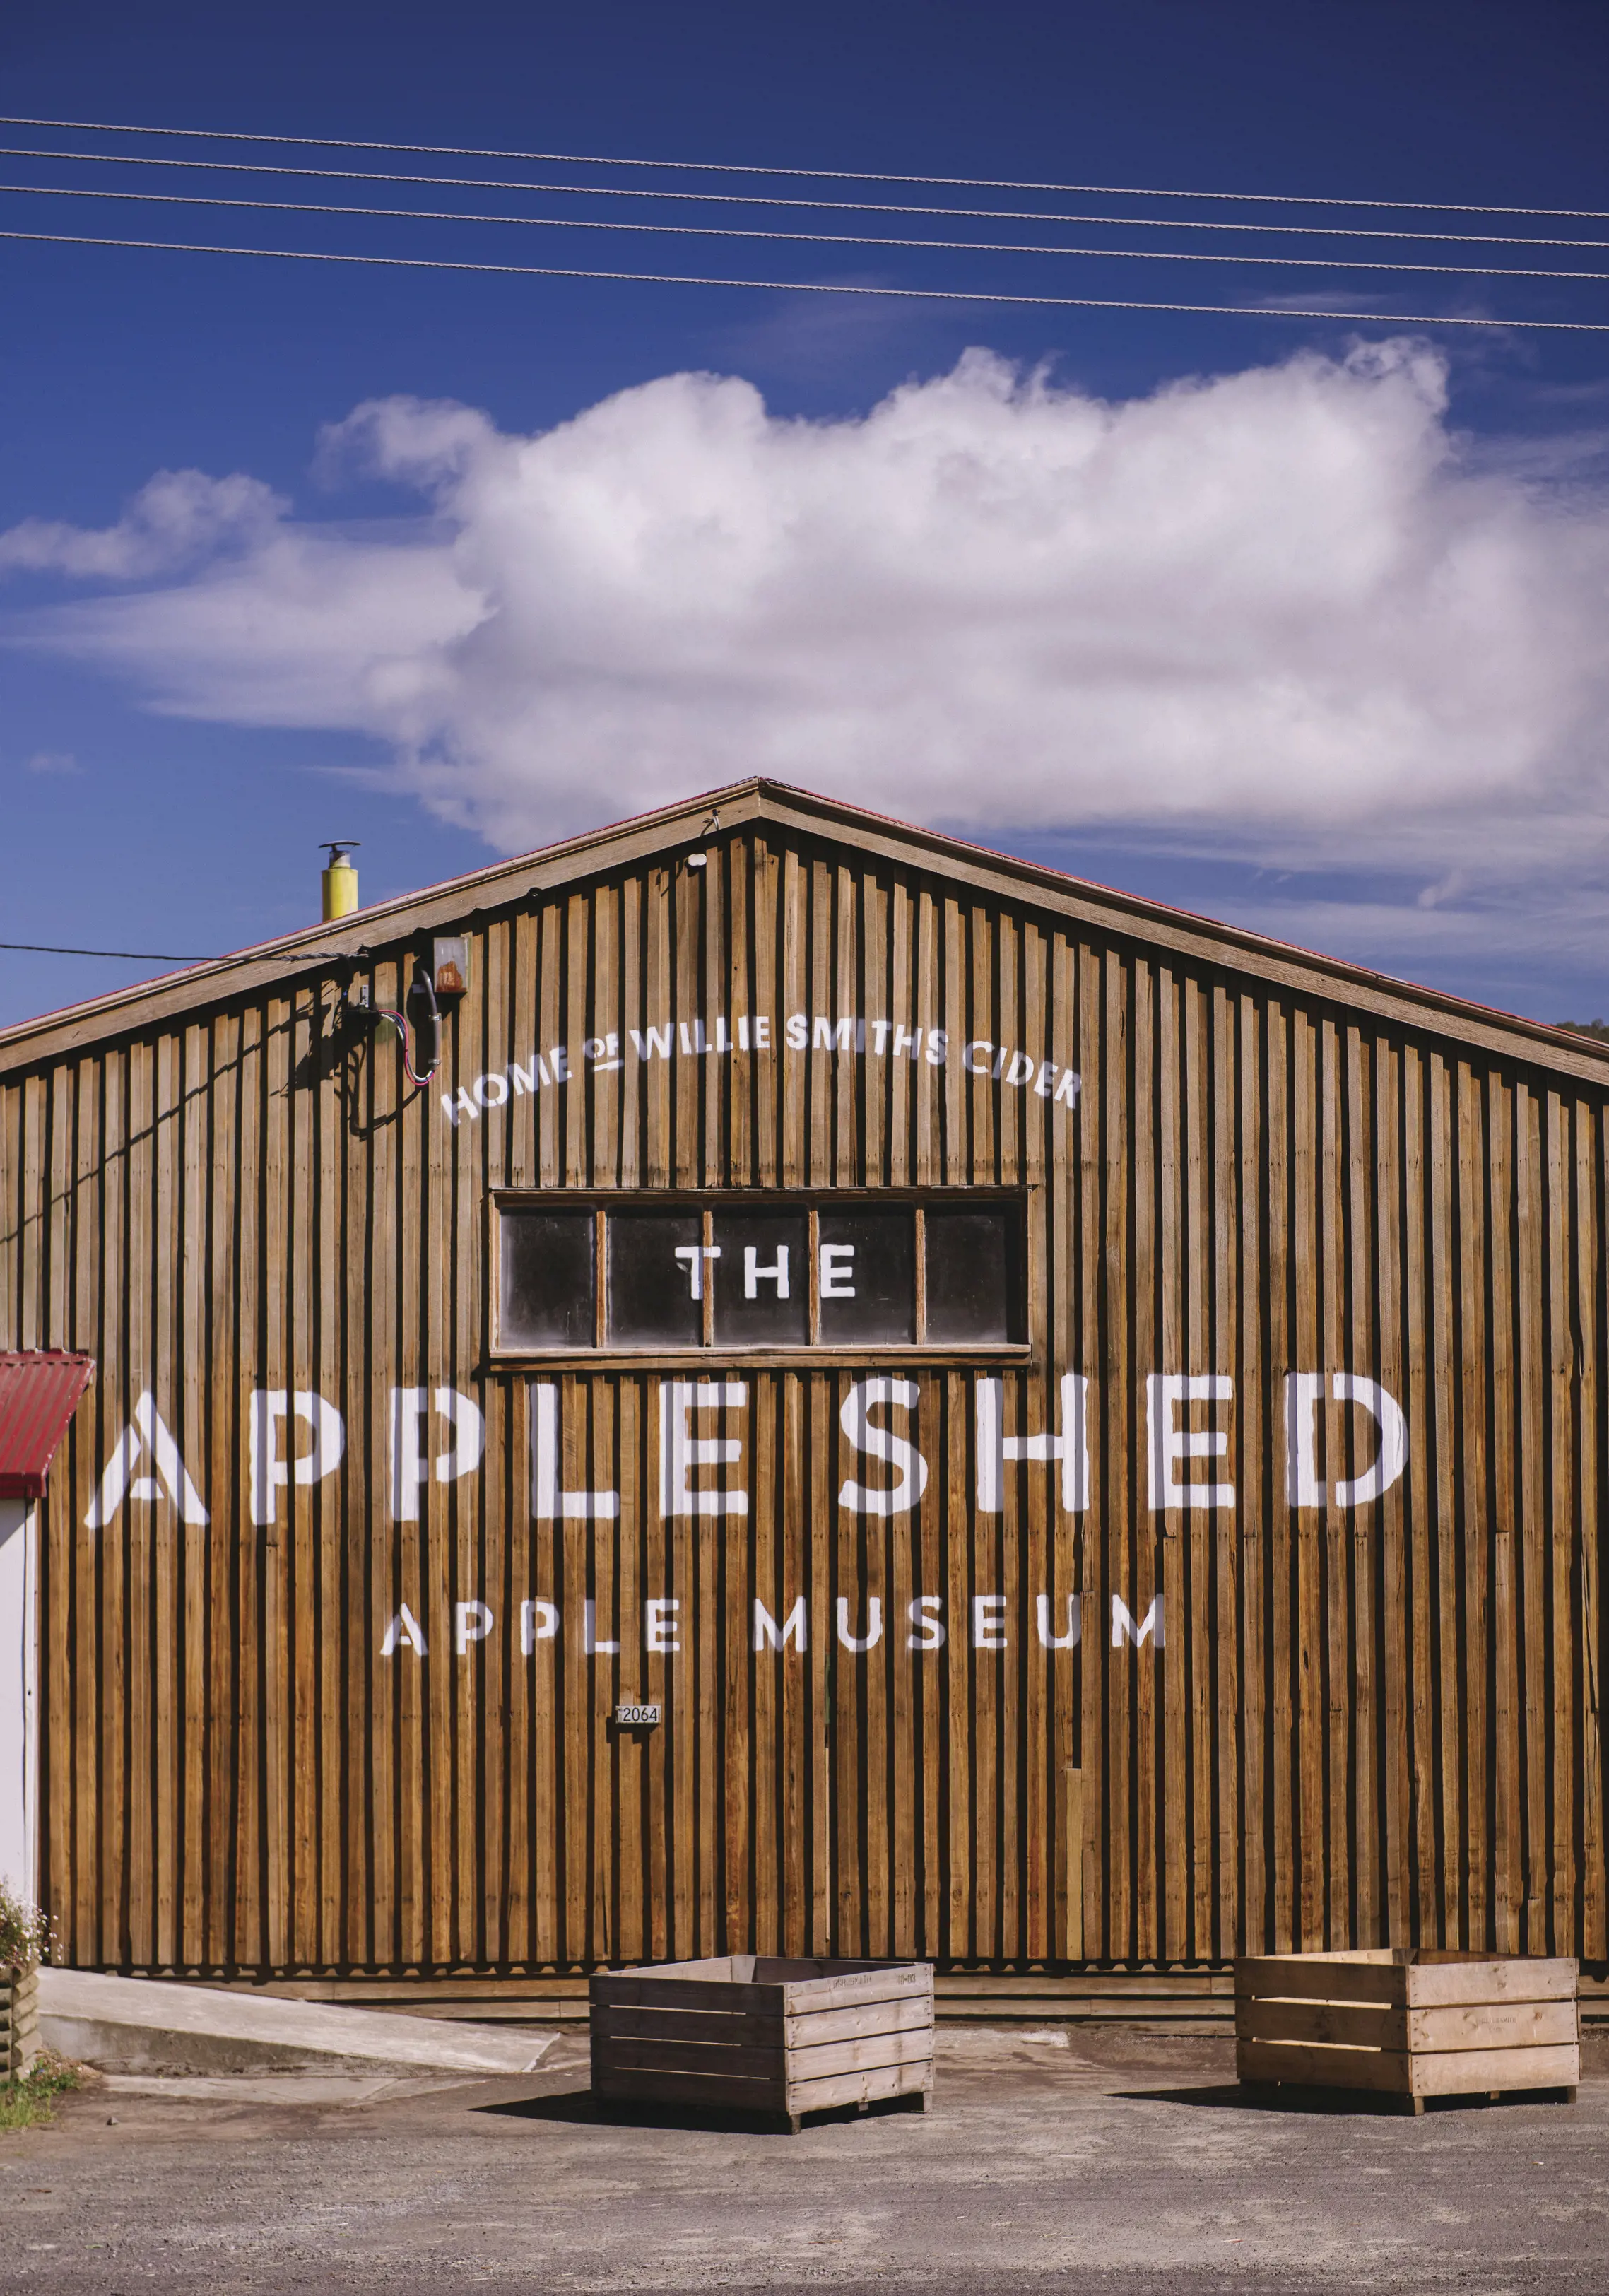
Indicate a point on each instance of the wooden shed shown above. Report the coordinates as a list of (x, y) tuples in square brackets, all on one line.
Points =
[(1086, 1425)]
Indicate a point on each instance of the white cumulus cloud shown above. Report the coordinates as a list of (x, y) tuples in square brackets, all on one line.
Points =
[(177, 517), (1287, 604)]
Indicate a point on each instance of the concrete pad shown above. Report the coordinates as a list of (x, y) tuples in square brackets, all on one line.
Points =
[(145, 2025)]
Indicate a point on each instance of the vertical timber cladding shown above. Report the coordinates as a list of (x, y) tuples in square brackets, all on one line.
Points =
[(1348, 1696)]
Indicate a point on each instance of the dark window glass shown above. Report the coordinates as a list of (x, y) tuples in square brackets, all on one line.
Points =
[(655, 1298), (867, 1263), (547, 1280), (762, 1280), (974, 1276)]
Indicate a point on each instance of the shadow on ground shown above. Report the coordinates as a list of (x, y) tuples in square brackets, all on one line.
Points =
[(581, 2109), (1375, 2103)]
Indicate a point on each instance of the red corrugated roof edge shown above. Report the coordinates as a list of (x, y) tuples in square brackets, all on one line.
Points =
[(39, 1391)]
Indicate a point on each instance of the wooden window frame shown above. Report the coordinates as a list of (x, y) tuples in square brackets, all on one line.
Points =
[(606, 1355)]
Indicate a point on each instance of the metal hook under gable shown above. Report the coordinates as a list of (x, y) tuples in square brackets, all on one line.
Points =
[(711, 828)]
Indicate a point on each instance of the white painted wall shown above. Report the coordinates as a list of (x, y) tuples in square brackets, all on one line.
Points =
[(19, 1695)]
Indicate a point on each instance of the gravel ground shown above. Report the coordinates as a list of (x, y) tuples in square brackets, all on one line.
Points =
[(1069, 2159)]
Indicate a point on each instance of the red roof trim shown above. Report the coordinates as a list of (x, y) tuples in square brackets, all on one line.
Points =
[(39, 1391)]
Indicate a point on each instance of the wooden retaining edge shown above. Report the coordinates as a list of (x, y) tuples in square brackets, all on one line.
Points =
[(1204, 1998), (1171, 2000), (18, 2022)]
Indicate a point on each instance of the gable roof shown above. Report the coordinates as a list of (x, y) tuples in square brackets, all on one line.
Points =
[(1097, 909)]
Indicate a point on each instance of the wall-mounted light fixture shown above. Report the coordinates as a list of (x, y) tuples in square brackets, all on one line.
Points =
[(701, 860), (449, 964)]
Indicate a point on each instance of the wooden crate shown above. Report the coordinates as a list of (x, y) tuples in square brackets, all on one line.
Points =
[(1414, 2024), (19, 2021), (764, 2034)]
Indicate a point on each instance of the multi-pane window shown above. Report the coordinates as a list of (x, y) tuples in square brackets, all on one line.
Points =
[(761, 1274), (549, 1287)]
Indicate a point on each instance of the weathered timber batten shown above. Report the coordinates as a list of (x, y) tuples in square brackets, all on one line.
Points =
[(363, 1721)]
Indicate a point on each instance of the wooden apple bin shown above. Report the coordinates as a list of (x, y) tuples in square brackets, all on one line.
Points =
[(763, 2034), (1414, 2024)]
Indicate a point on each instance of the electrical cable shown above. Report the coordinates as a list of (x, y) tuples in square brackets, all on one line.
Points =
[(398, 1021), (808, 238), (137, 956), (417, 1078), (261, 955), (820, 286), (775, 200), (815, 175)]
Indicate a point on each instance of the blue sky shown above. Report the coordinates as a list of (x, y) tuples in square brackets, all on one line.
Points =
[(162, 794)]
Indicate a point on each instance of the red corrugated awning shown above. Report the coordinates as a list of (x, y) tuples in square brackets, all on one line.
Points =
[(39, 1391)]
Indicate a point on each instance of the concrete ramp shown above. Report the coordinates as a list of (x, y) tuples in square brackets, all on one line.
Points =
[(145, 2025)]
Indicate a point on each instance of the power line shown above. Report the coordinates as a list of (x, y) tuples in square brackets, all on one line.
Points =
[(818, 175), (137, 956), (256, 956), (775, 200), (822, 287), (803, 238)]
